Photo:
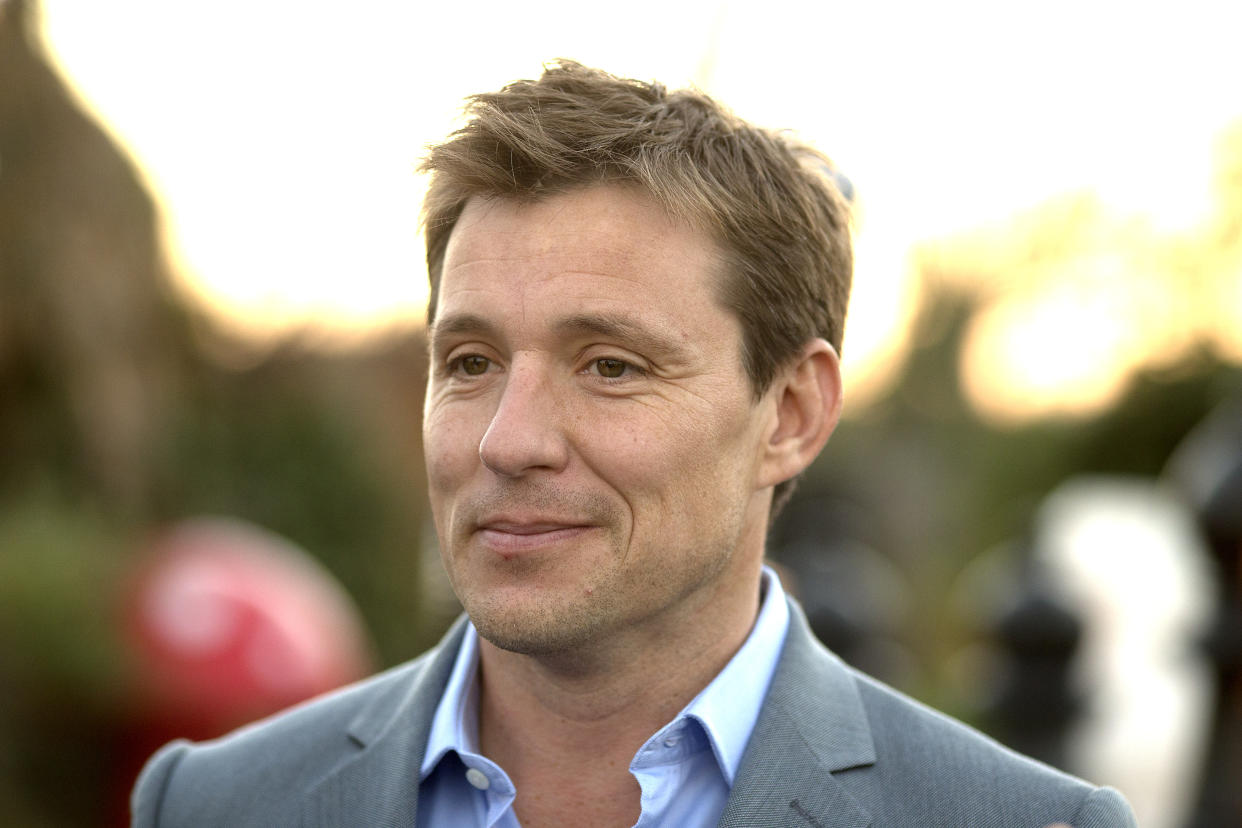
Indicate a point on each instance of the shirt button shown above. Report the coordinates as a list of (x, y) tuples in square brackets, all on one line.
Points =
[(478, 778)]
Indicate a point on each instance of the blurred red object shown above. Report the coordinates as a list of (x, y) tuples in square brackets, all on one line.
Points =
[(230, 622)]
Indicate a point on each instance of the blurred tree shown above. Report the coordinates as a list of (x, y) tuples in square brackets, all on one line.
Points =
[(92, 341), (123, 407), (937, 483), (326, 450)]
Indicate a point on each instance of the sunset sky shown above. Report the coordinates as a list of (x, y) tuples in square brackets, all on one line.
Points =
[(280, 138)]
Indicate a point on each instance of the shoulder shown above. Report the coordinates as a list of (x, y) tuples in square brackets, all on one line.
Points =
[(257, 774), (958, 776), (904, 763)]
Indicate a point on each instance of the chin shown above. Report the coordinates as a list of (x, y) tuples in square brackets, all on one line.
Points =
[(543, 629)]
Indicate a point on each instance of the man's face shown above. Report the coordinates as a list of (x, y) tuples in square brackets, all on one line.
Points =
[(593, 444)]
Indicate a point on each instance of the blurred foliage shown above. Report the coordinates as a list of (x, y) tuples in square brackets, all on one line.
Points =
[(931, 484), (123, 408), (322, 449), (57, 578), (926, 481), (62, 663)]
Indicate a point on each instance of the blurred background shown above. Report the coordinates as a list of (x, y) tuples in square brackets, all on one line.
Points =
[(211, 362)]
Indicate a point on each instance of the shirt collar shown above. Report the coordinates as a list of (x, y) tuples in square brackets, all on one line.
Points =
[(455, 725), (727, 708)]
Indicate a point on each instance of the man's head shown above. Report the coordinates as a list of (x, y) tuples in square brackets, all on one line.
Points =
[(767, 200), (616, 389)]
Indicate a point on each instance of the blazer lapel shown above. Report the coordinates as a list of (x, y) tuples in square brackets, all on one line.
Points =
[(812, 725), (377, 784)]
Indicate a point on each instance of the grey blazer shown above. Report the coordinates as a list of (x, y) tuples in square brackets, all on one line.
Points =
[(832, 749)]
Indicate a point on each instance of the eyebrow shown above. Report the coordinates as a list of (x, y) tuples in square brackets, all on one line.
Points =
[(643, 338), (461, 323), (612, 326)]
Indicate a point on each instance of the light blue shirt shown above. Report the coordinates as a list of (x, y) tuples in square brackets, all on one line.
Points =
[(685, 770)]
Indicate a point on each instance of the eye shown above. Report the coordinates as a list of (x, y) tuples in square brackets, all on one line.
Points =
[(473, 364), (611, 368)]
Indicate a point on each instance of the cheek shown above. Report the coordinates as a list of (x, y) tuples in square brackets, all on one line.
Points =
[(671, 465), (450, 448)]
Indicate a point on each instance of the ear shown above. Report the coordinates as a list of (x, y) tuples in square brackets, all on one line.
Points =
[(807, 399)]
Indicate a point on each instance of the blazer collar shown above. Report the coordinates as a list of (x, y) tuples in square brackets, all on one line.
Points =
[(812, 725), (377, 784)]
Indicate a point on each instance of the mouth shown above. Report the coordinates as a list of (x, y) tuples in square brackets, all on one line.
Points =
[(509, 538)]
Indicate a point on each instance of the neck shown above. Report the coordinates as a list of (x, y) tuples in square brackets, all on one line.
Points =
[(582, 715)]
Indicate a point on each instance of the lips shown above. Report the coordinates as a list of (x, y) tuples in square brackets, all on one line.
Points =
[(509, 537)]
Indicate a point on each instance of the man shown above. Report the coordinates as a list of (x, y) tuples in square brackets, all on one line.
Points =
[(637, 305)]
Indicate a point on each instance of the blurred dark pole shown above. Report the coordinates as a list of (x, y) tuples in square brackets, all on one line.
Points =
[(1033, 703)]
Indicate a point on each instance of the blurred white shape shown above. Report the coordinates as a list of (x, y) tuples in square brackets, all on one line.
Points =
[(1129, 559)]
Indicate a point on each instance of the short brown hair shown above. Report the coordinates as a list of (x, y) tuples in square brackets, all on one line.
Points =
[(768, 199)]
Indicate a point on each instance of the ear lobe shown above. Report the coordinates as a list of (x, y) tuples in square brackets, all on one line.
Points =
[(807, 396)]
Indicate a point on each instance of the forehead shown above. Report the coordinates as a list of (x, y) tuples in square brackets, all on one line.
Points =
[(597, 246)]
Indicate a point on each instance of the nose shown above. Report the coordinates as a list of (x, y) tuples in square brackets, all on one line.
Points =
[(525, 433)]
